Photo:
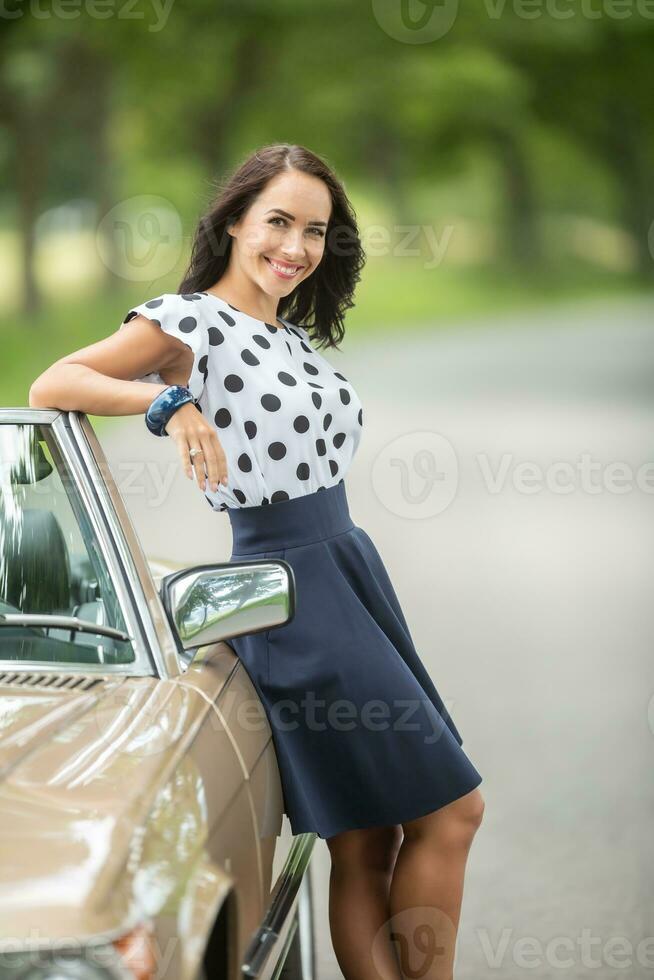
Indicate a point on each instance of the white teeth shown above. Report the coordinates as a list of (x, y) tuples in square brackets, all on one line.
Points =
[(286, 270)]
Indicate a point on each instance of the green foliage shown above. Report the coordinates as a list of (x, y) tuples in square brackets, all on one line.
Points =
[(524, 128)]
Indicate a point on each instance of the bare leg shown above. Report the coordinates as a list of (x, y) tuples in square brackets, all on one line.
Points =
[(427, 887), (362, 866)]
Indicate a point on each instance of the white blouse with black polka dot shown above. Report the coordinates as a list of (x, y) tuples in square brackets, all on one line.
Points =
[(288, 422)]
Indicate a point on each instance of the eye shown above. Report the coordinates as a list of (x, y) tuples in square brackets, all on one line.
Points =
[(278, 217)]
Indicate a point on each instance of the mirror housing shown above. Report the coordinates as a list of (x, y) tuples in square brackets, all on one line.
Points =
[(209, 603)]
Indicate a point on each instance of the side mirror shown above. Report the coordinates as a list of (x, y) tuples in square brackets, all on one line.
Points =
[(210, 603)]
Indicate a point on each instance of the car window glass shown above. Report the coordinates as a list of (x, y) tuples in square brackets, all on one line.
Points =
[(50, 559)]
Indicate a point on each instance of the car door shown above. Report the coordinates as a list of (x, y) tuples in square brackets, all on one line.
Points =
[(218, 675)]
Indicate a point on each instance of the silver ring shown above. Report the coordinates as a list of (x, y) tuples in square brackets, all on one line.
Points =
[(194, 452)]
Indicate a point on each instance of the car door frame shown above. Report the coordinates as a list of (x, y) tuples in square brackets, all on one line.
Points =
[(127, 587)]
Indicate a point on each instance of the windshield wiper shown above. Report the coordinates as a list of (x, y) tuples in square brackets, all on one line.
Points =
[(65, 622)]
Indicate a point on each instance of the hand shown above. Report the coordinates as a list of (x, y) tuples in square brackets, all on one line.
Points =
[(188, 429)]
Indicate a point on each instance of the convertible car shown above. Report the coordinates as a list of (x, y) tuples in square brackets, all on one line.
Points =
[(141, 810)]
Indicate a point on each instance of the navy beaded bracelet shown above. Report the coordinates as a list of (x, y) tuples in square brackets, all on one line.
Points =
[(165, 405)]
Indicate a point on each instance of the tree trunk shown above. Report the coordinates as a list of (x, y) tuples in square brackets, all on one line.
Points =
[(521, 236), (625, 155), (248, 72), (384, 160), (97, 72), (29, 179)]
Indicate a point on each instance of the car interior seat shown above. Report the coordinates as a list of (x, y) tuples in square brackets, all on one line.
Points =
[(36, 575)]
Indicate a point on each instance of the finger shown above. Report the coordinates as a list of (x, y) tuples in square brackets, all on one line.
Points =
[(197, 462), (221, 458), (193, 465), (183, 450), (210, 459), (207, 461), (215, 461)]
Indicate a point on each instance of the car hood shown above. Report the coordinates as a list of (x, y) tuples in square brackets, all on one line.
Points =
[(83, 761)]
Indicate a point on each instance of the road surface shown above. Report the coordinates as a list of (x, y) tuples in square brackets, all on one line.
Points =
[(503, 474)]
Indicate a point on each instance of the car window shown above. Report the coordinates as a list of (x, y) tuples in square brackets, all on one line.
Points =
[(51, 563)]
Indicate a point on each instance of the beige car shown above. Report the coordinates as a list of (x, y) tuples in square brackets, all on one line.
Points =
[(141, 811)]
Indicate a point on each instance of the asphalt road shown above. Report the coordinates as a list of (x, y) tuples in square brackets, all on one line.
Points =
[(503, 475)]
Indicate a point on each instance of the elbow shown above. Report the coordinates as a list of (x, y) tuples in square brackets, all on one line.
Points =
[(39, 395), (34, 397)]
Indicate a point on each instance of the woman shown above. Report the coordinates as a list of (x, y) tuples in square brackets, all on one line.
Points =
[(395, 797)]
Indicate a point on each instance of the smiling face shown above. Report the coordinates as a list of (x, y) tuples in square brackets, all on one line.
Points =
[(280, 240)]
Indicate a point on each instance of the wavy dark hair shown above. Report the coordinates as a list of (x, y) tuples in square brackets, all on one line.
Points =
[(319, 302)]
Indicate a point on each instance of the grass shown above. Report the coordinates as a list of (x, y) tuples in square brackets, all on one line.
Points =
[(30, 346), (402, 291)]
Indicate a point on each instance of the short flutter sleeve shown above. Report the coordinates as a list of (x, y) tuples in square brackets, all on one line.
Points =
[(181, 318)]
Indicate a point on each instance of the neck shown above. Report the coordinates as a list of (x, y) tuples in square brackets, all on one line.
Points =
[(245, 296)]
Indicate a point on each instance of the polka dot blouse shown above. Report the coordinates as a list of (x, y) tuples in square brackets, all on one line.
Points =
[(289, 424)]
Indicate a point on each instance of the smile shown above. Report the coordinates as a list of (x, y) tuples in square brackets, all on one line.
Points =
[(286, 271)]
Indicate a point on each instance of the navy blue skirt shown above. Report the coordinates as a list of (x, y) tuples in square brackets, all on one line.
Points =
[(362, 736)]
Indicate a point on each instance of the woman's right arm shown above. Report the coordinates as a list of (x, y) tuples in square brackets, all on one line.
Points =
[(97, 380)]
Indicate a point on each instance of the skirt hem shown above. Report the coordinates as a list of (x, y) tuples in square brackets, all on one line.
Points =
[(400, 818)]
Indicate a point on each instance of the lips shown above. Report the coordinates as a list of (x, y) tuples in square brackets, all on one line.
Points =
[(279, 270)]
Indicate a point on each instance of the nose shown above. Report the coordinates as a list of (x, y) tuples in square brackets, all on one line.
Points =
[(293, 247)]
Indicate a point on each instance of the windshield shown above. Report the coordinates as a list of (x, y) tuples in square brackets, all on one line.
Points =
[(50, 560)]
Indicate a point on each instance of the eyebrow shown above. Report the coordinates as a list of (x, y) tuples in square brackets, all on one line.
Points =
[(292, 217)]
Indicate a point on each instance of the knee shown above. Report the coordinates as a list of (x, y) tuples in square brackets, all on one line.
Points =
[(465, 819), (471, 807), (476, 810), (454, 825)]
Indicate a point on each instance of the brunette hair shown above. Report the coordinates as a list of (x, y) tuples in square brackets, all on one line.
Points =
[(319, 302)]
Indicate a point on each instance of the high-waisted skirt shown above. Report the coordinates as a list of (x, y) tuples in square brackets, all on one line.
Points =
[(362, 736)]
